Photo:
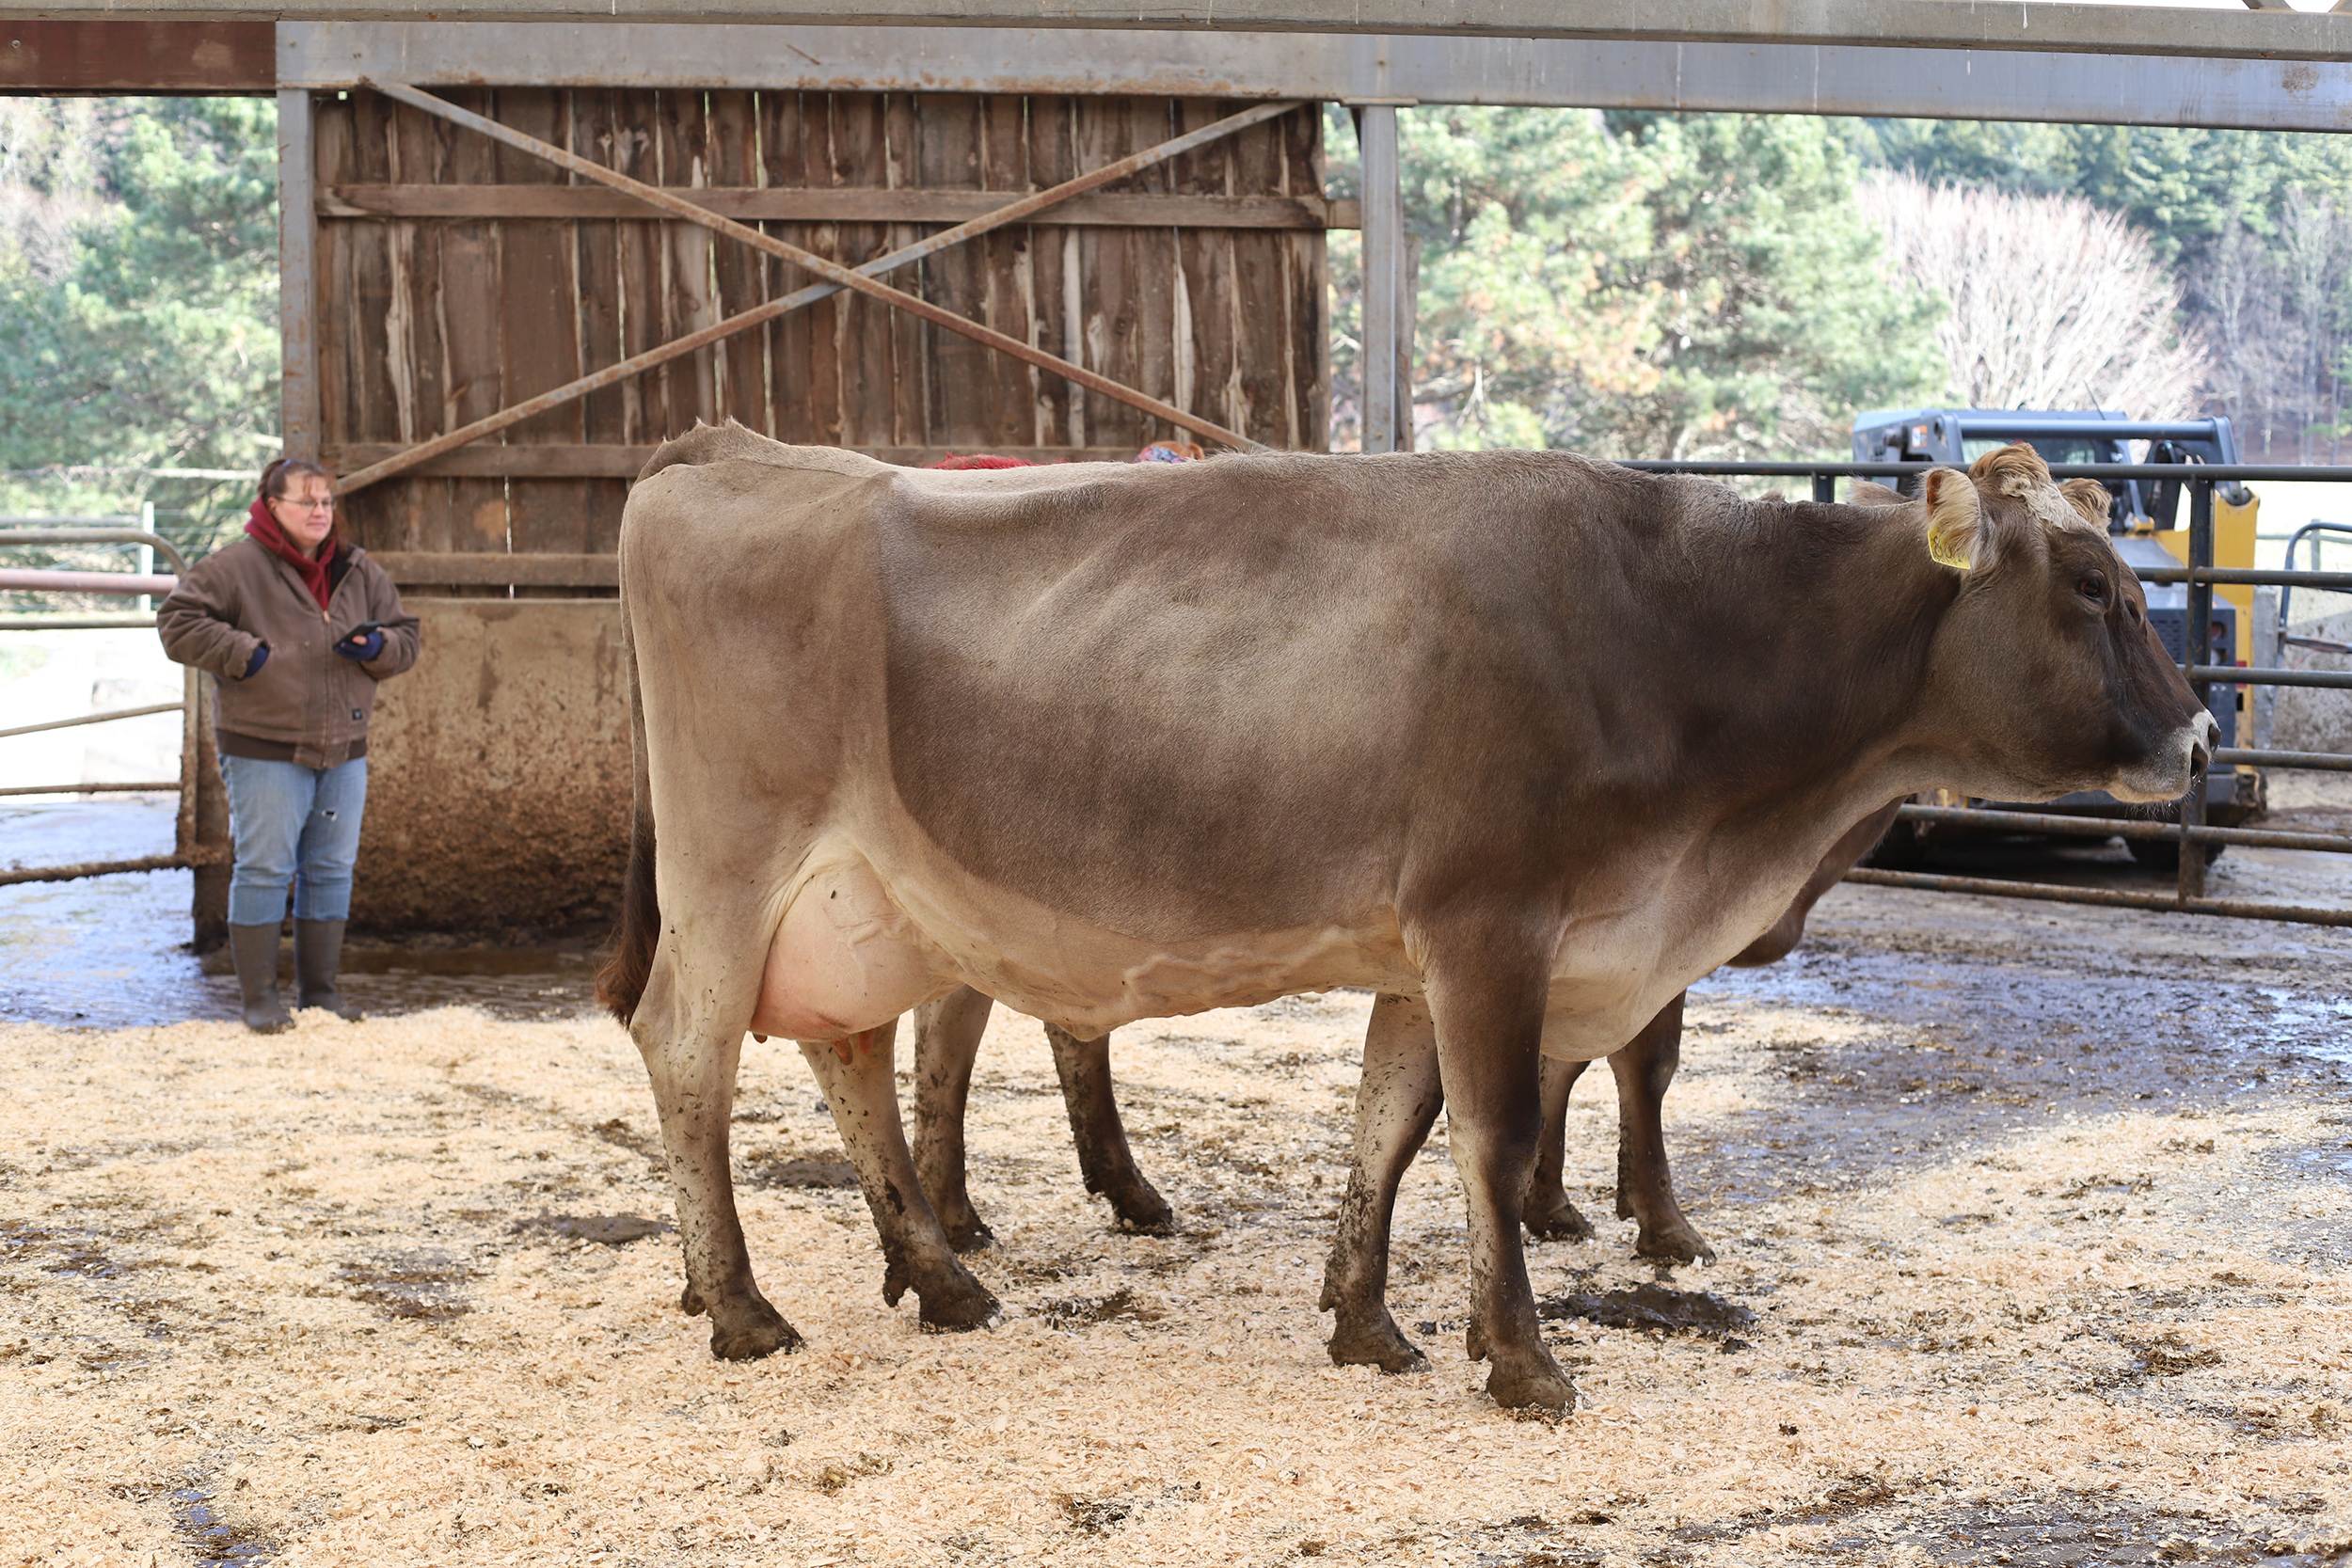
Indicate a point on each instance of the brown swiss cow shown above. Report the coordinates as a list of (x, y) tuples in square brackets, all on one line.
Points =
[(1528, 740)]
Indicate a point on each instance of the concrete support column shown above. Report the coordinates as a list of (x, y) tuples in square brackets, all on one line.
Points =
[(297, 276), (1384, 307)]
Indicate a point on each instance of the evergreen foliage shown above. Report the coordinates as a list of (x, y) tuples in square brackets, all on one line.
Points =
[(138, 300), (1652, 286)]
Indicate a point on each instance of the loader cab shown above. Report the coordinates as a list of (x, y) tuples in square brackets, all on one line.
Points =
[(1960, 435)]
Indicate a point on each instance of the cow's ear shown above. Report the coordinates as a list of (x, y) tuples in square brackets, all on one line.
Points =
[(2011, 470), (1960, 535), (2088, 497)]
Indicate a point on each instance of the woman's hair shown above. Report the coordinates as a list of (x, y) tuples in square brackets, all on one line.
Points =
[(278, 478)]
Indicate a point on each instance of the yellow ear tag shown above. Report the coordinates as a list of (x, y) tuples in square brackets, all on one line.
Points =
[(1941, 548)]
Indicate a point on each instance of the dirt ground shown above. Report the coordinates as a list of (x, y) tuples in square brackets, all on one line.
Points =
[(2041, 1217)]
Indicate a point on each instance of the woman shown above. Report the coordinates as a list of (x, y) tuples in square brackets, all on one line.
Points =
[(297, 624)]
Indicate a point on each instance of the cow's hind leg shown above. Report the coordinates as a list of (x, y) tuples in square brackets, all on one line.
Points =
[(1105, 1160), (946, 1042), (1490, 1014), (692, 1067), (1395, 1105), (1645, 1187), (859, 1085), (1549, 1216)]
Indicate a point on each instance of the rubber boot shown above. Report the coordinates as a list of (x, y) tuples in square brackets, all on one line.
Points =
[(254, 950), (318, 954)]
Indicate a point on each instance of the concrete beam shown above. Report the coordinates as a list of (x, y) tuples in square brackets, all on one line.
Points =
[(2102, 89), (2038, 25)]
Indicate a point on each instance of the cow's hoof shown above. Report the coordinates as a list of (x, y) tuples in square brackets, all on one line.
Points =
[(969, 1234), (1556, 1221), (1374, 1342), (750, 1331), (688, 1303), (958, 1305), (1530, 1383), (1142, 1210), (1678, 1241)]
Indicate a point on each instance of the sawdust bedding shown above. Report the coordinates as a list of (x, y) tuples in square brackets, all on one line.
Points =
[(275, 1289)]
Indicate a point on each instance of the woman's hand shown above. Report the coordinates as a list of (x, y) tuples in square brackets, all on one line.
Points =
[(260, 657), (362, 644)]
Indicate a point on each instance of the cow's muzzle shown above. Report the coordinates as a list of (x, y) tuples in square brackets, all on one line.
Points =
[(2173, 768)]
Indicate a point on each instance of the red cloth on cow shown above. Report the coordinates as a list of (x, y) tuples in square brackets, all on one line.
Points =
[(264, 527), (980, 460)]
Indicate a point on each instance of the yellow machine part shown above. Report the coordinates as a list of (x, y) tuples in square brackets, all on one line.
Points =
[(2233, 546)]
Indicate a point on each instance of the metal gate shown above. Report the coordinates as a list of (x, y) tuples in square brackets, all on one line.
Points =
[(200, 830)]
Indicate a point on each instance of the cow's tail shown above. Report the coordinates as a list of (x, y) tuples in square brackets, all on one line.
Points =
[(622, 981)]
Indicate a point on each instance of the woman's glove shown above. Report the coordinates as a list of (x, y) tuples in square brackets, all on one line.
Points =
[(260, 657), (361, 646)]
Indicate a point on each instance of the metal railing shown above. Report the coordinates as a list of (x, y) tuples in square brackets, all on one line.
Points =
[(200, 826), (2190, 832)]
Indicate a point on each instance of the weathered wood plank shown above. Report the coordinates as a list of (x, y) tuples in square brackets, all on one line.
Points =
[(907, 371), (604, 415), (687, 302), (1206, 326), (741, 361), (752, 204), (471, 282), (961, 377), (539, 326), (622, 462), (635, 154), (1055, 286), (861, 156), (474, 568), (1107, 265), (785, 150), (1305, 323)]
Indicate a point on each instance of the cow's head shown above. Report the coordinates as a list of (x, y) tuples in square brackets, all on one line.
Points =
[(2047, 653)]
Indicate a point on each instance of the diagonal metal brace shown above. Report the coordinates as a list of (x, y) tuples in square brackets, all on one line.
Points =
[(839, 277)]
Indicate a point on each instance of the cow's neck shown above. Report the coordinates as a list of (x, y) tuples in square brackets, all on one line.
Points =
[(1827, 646)]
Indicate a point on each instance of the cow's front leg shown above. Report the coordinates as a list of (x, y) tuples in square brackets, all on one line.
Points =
[(857, 1078), (946, 1042), (1645, 1187), (1396, 1104), (1490, 1016), (1105, 1162), (1548, 1214), (693, 1094)]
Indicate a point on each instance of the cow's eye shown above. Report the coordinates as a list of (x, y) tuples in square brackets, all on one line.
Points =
[(2093, 587)]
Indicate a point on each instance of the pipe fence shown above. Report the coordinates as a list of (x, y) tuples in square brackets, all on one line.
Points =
[(200, 826)]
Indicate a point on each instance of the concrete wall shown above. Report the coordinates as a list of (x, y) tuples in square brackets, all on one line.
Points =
[(499, 771)]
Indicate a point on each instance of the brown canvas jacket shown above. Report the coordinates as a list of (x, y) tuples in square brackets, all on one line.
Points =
[(307, 696)]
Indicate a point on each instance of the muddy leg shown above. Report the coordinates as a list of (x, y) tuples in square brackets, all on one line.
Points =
[(1490, 1026), (1549, 1215), (946, 1041), (1104, 1159), (694, 1092), (858, 1082), (1646, 1188), (1395, 1108)]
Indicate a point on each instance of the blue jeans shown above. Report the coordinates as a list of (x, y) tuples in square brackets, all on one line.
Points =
[(292, 824)]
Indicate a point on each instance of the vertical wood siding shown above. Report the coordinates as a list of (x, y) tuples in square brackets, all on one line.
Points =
[(425, 323)]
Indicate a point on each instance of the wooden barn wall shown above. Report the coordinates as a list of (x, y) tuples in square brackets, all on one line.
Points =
[(428, 321)]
